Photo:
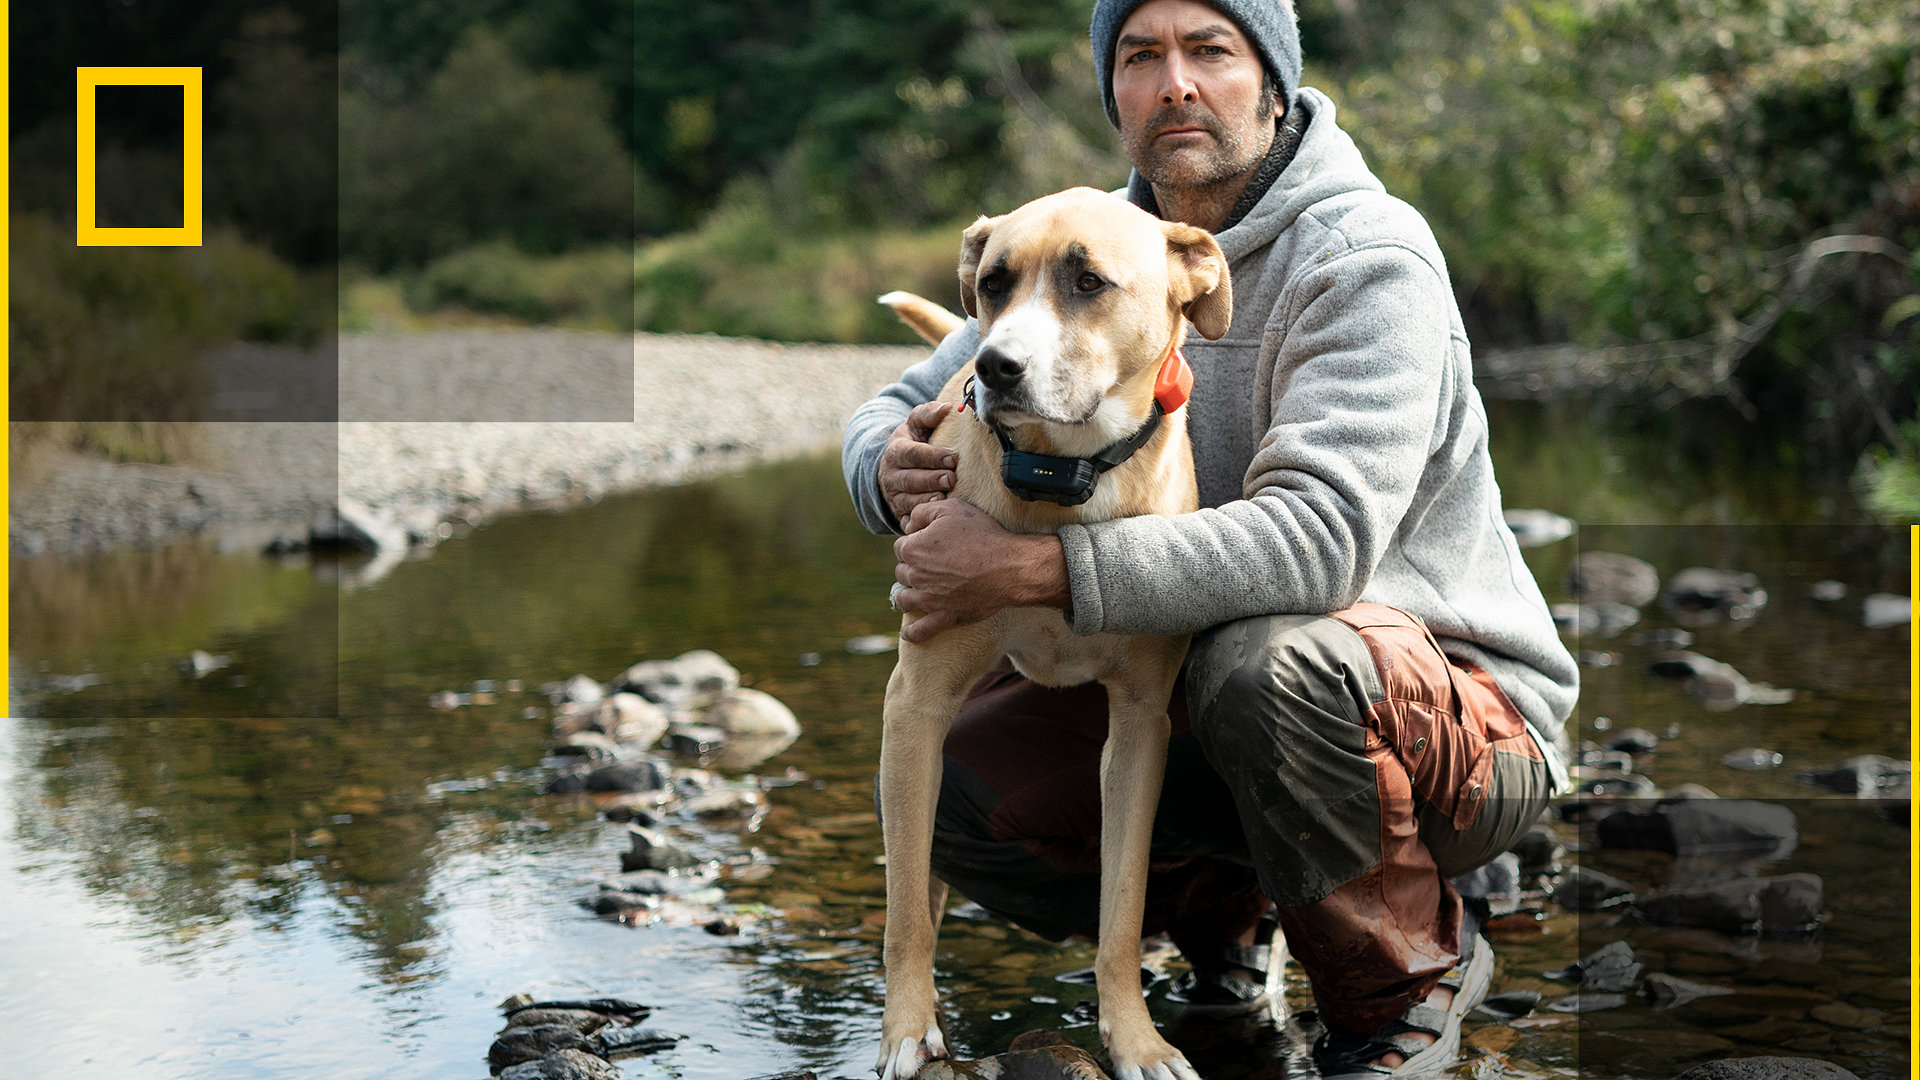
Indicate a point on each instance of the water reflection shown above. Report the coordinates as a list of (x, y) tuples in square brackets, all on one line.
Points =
[(398, 863)]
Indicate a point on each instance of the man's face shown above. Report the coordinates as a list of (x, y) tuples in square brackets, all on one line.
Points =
[(1189, 90)]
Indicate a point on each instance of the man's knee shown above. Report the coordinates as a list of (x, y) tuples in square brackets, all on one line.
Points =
[(1263, 675)]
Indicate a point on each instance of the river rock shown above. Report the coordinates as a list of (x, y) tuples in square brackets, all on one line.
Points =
[(695, 740), (1881, 610), (628, 719), (1635, 741), (1494, 888), (563, 1065), (1537, 528), (1611, 783), (1610, 968), (1600, 619), (1767, 1068), (1752, 759), (1042, 1063), (1665, 637), (642, 776), (1597, 576), (525, 1043), (581, 689), (1583, 888), (672, 683), (353, 526), (1702, 595), (622, 1040), (1587, 1001), (1671, 992), (1688, 827), (1718, 686), (1866, 776), (585, 1021), (1787, 904), (659, 882), (651, 850), (590, 745), (1539, 852), (1828, 590), (621, 1007), (751, 712)]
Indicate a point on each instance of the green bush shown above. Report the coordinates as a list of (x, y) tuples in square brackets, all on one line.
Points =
[(105, 333), (590, 288), (741, 274)]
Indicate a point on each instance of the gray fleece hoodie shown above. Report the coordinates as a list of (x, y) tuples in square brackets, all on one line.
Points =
[(1340, 447)]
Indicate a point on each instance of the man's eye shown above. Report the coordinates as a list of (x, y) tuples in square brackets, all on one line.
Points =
[(1211, 50), (1088, 283), (1140, 57)]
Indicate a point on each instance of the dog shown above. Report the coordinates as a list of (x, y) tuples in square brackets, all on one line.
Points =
[(1071, 412)]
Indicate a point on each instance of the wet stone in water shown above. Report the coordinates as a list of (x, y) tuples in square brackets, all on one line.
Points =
[(1866, 776), (1767, 1068), (563, 1065), (517, 1044), (1707, 595), (1704, 827), (1586, 889), (1671, 991), (1587, 1001), (1607, 576), (1609, 968), (1752, 759), (1634, 741), (652, 850), (1787, 904)]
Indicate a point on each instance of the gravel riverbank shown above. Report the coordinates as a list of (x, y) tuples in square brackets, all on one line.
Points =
[(701, 405)]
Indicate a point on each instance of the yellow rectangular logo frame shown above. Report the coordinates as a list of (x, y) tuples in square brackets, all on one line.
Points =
[(89, 80)]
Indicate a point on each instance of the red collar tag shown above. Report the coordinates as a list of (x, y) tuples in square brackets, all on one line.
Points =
[(1175, 383)]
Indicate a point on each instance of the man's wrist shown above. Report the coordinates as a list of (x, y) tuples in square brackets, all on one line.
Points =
[(1044, 579)]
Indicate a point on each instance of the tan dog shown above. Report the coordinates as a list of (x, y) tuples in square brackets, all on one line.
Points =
[(1082, 299)]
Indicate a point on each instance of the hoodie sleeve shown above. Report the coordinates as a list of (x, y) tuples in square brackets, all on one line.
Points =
[(872, 423), (1355, 404)]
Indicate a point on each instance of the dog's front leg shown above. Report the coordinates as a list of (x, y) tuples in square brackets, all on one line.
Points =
[(1131, 769), (923, 696)]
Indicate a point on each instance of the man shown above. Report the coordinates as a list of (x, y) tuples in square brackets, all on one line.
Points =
[(1375, 696)]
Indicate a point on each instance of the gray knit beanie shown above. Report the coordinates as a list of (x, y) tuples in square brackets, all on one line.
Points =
[(1269, 24)]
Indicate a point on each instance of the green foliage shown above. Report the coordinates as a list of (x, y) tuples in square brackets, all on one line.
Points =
[(488, 150), (116, 333), (739, 274), (589, 288)]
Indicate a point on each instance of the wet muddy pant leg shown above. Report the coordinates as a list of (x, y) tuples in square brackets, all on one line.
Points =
[(1017, 829), (1294, 713)]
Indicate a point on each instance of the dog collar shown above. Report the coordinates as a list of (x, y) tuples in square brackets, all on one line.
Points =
[(1069, 481)]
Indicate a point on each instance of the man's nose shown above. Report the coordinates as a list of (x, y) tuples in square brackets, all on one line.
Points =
[(1179, 88)]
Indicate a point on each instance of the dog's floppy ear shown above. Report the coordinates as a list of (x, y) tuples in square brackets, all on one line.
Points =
[(1197, 276), (972, 243)]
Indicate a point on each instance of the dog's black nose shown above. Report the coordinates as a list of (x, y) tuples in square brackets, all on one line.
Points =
[(998, 370)]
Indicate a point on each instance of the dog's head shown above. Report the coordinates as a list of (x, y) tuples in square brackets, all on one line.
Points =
[(1079, 295)]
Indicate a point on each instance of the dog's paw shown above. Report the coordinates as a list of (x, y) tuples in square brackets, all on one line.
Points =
[(904, 1056), (1148, 1057)]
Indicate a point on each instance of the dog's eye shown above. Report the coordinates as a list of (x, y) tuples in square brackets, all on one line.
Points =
[(990, 285), (1088, 283)]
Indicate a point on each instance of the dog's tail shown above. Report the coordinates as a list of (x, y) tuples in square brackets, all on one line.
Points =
[(928, 319)]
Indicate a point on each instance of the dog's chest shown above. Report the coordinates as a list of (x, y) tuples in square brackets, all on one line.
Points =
[(1043, 649)]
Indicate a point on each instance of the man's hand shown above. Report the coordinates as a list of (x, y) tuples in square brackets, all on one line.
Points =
[(912, 470), (959, 566)]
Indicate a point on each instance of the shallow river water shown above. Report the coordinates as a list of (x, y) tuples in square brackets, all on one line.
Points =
[(255, 893)]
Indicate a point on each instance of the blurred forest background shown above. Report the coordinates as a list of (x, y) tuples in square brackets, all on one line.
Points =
[(1718, 199)]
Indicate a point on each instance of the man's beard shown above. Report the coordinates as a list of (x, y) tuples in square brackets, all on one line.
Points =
[(1190, 166)]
